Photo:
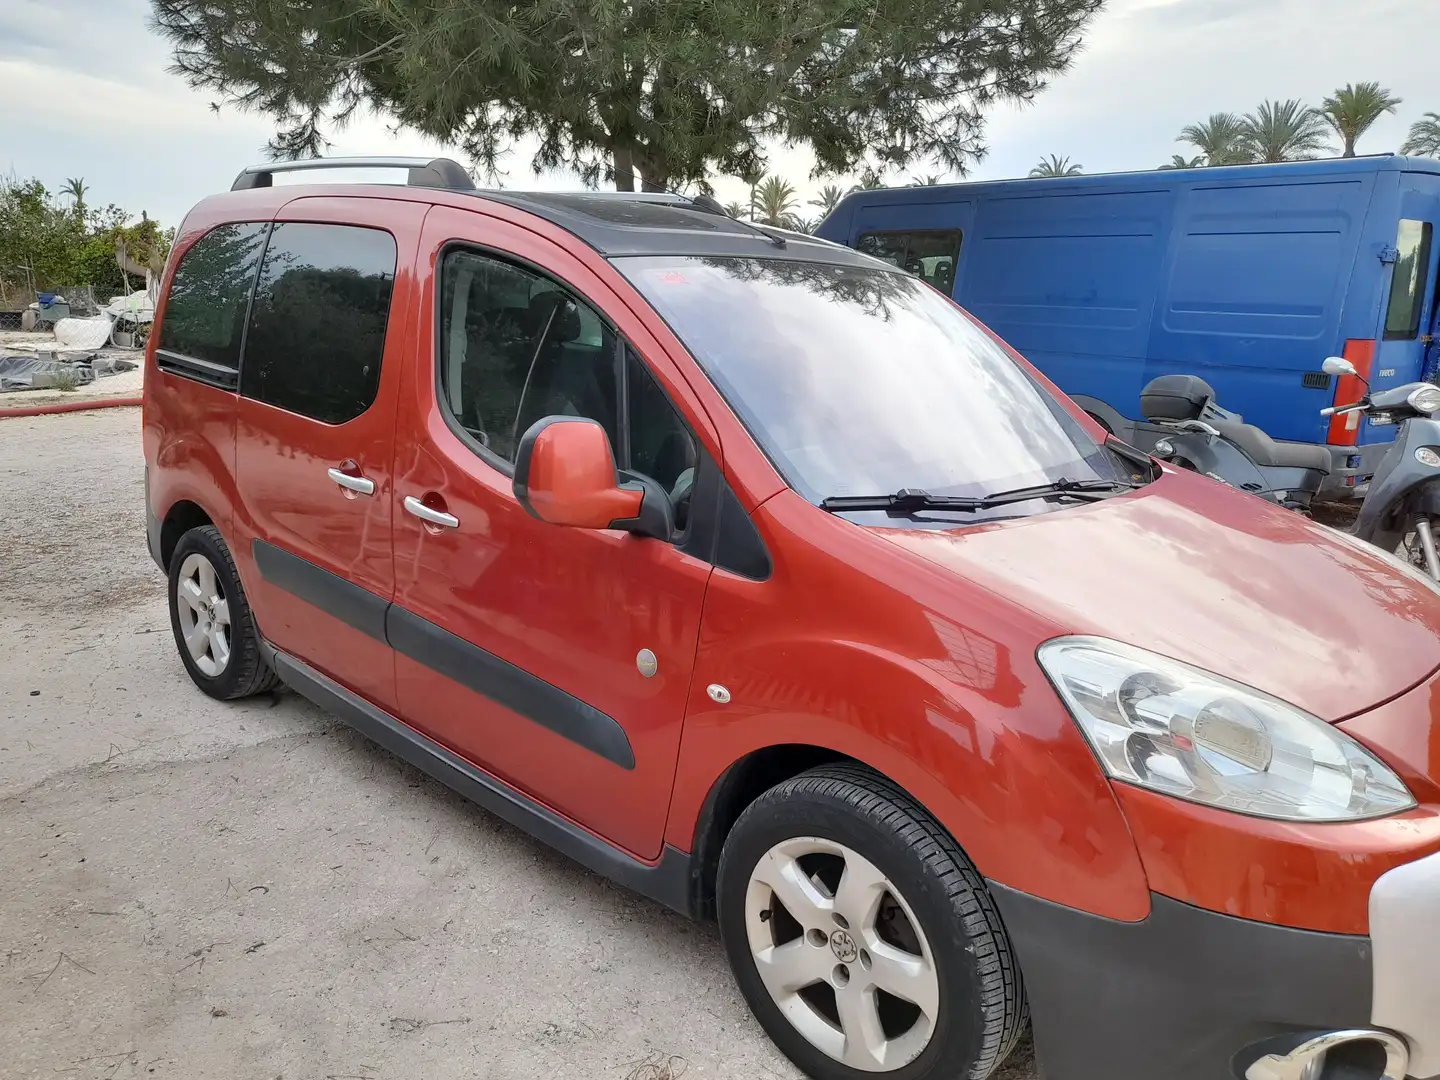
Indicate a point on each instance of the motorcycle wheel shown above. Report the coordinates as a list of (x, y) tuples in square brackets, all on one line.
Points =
[(1410, 549)]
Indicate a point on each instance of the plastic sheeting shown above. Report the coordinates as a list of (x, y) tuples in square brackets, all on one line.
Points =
[(93, 333), (36, 373)]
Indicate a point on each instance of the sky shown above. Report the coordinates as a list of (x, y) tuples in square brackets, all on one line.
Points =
[(84, 92)]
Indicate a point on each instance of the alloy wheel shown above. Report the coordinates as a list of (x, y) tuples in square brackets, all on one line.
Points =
[(842, 954), (204, 614)]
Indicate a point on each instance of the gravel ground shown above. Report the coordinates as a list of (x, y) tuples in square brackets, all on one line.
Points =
[(191, 889)]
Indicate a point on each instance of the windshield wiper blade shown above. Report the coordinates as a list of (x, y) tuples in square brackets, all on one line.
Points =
[(911, 500)]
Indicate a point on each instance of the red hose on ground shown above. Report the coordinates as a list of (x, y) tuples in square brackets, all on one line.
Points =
[(69, 406)]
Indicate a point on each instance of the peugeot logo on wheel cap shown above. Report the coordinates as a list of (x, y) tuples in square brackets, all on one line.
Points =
[(843, 946)]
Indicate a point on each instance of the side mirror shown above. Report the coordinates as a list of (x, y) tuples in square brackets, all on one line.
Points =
[(565, 475), (1337, 365)]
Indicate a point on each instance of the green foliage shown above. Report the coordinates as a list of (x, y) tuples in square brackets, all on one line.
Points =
[(672, 90), (44, 244), (1220, 139), (1180, 161), (1055, 166), (828, 199), (1284, 131), (1352, 110), (775, 198), (1424, 138)]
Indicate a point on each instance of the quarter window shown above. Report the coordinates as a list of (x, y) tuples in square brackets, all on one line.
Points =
[(205, 310), (317, 325), (515, 348), (929, 254), (1407, 287)]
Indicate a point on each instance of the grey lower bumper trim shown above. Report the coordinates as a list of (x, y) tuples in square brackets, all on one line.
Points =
[(1186, 994)]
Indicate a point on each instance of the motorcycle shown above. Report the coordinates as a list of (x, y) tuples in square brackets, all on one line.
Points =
[(1198, 434), (1403, 502)]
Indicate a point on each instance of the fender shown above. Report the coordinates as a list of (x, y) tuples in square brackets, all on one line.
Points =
[(884, 660), (1401, 482)]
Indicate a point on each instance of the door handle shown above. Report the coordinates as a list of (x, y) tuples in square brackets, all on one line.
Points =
[(359, 484), (434, 517)]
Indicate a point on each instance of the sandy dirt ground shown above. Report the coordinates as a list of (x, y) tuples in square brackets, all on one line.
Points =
[(190, 889)]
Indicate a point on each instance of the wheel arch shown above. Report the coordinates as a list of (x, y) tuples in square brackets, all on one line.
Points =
[(182, 516), (744, 781)]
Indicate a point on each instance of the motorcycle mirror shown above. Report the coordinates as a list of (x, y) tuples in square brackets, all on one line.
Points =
[(1337, 365)]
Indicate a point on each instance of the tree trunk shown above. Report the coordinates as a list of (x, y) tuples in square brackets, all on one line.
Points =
[(1349, 146), (624, 163), (651, 179)]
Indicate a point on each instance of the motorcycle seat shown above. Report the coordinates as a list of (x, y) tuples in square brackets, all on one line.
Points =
[(1267, 452)]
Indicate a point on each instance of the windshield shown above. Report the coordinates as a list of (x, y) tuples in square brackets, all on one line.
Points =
[(860, 381)]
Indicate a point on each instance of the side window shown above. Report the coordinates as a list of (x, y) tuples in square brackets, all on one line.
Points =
[(929, 254), (317, 325), (205, 311), (1407, 287), (661, 446), (515, 348)]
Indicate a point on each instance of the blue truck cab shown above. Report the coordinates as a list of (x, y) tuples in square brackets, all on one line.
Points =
[(1248, 276)]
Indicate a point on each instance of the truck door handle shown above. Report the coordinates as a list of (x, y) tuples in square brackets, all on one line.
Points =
[(361, 485), (434, 517)]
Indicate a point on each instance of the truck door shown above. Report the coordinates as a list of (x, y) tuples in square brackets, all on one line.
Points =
[(1407, 330)]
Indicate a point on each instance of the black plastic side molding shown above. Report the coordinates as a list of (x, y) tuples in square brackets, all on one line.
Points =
[(667, 882)]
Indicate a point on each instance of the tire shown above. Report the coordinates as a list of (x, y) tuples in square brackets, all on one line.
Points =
[(201, 568), (933, 909)]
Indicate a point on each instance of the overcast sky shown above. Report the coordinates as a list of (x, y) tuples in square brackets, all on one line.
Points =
[(85, 92)]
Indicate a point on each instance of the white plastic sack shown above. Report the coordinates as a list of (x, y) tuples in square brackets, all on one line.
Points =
[(91, 333)]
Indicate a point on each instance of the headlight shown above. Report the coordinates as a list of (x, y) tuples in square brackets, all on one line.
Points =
[(1425, 400), (1175, 729)]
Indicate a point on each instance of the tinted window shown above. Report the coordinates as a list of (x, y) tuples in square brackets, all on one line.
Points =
[(515, 348), (205, 312), (1407, 287), (661, 445), (863, 382), (928, 254), (317, 326)]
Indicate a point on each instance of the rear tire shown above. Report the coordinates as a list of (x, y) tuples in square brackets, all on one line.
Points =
[(210, 617), (862, 938)]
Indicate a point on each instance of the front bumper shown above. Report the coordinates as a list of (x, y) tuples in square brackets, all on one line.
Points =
[(1190, 994)]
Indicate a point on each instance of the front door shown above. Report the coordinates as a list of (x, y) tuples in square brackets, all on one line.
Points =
[(557, 659), (1405, 334), (319, 381)]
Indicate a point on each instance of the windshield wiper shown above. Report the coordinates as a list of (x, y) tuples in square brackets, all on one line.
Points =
[(911, 500)]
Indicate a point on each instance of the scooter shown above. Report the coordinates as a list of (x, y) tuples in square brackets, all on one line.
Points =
[(1402, 504), (1200, 435)]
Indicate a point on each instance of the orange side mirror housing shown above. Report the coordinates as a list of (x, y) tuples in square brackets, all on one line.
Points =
[(565, 475)]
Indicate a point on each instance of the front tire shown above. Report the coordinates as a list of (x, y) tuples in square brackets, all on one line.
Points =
[(214, 630), (863, 939)]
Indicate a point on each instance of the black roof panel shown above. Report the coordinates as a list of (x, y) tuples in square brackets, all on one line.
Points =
[(620, 224)]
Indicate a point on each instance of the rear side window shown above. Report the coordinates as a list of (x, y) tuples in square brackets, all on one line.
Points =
[(317, 325), (929, 254), (1407, 287), (205, 313)]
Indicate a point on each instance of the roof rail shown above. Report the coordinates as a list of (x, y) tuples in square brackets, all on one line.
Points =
[(423, 172)]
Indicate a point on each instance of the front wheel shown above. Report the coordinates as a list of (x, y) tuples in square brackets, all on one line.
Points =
[(1418, 546), (862, 938)]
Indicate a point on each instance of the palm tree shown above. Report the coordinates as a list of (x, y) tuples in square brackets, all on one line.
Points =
[(1352, 111), (828, 199), (1284, 131), (1221, 139), (75, 187), (1424, 137), (751, 178), (1180, 161), (1055, 166), (735, 209), (925, 181), (774, 199), (868, 183)]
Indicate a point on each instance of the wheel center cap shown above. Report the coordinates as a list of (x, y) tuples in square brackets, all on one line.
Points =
[(843, 946)]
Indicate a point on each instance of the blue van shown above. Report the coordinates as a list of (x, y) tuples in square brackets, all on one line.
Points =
[(1248, 276)]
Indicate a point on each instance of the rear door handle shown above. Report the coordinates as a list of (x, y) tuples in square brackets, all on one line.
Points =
[(359, 484), (434, 517)]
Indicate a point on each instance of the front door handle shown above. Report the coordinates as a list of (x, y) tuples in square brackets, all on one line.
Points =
[(359, 484), (434, 517)]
